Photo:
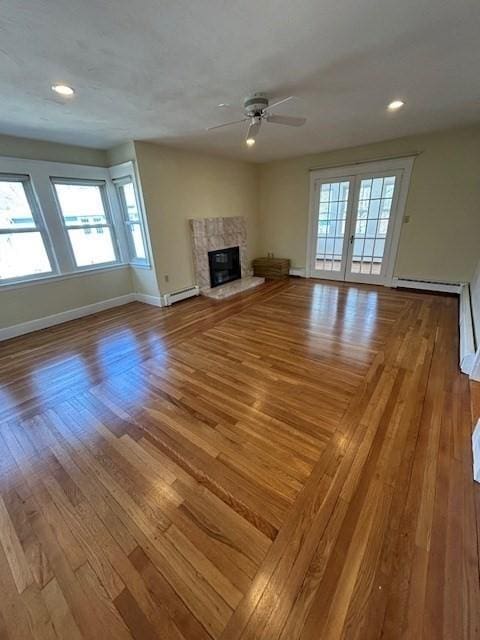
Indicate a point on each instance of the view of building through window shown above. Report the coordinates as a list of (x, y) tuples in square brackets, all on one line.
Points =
[(22, 250), (87, 223), (60, 225), (132, 219)]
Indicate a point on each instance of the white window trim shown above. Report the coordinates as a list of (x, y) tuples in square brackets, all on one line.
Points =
[(39, 227), (39, 173), (127, 171), (404, 163), (109, 224), (134, 259)]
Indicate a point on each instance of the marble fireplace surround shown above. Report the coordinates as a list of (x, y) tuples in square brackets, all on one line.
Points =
[(211, 234)]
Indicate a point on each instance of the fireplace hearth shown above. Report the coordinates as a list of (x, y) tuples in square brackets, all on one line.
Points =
[(224, 265)]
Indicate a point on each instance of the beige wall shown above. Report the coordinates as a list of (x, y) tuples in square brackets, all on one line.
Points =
[(178, 185), (144, 281), (121, 153), (441, 240), (51, 151), (29, 302)]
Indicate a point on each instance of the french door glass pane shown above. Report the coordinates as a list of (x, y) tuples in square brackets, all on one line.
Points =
[(332, 213), (371, 226), (22, 254)]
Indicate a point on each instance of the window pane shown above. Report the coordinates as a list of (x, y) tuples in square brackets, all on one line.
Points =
[(90, 247), (360, 228), (377, 185), (379, 248), (81, 204), (382, 228), (371, 228), (138, 241), (388, 187), (22, 254), (130, 202), (374, 209), (365, 189), (325, 193), (335, 192), (15, 211)]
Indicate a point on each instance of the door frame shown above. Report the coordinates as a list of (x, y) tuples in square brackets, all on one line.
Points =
[(404, 164)]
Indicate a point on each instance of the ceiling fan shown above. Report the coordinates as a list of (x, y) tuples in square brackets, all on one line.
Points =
[(256, 110)]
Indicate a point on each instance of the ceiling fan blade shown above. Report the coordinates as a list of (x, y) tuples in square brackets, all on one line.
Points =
[(226, 124), (253, 129), (288, 120), (275, 104)]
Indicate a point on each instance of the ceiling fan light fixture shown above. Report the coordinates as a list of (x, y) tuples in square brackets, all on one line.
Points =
[(257, 110)]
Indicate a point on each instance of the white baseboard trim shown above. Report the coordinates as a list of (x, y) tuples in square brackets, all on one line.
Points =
[(426, 285), (155, 301), (64, 316), (300, 272), (72, 314)]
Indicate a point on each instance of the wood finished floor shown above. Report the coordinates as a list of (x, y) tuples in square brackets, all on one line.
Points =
[(292, 463)]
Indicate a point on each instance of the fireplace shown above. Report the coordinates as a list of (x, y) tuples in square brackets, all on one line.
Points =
[(224, 265)]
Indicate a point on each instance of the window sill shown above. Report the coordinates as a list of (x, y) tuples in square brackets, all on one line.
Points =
[(63, 276), (141, 265)]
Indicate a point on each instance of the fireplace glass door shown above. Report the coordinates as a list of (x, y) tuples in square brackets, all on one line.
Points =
[(224, 266)]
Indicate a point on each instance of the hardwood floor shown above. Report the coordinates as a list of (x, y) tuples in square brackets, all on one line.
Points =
[(292, 463)]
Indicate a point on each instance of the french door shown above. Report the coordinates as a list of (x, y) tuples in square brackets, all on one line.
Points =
[(355, 221)]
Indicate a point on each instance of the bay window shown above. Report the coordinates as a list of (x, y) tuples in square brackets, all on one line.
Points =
[(59, 219), (87, 220), (23, 239), (132, 219)]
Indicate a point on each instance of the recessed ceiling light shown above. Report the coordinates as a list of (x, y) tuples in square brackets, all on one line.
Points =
[(250, 142), (63, 90), (395, 105)]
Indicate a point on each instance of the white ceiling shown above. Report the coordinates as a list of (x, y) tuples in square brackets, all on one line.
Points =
[(157, 69)]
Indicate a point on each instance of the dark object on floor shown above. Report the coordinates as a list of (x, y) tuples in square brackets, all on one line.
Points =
[(271, 268)]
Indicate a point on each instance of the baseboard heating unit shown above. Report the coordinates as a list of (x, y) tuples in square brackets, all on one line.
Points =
[(469, 360), (427, 285), (181, 294)]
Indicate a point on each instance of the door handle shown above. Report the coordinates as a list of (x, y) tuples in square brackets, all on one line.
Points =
[(352, 238)]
